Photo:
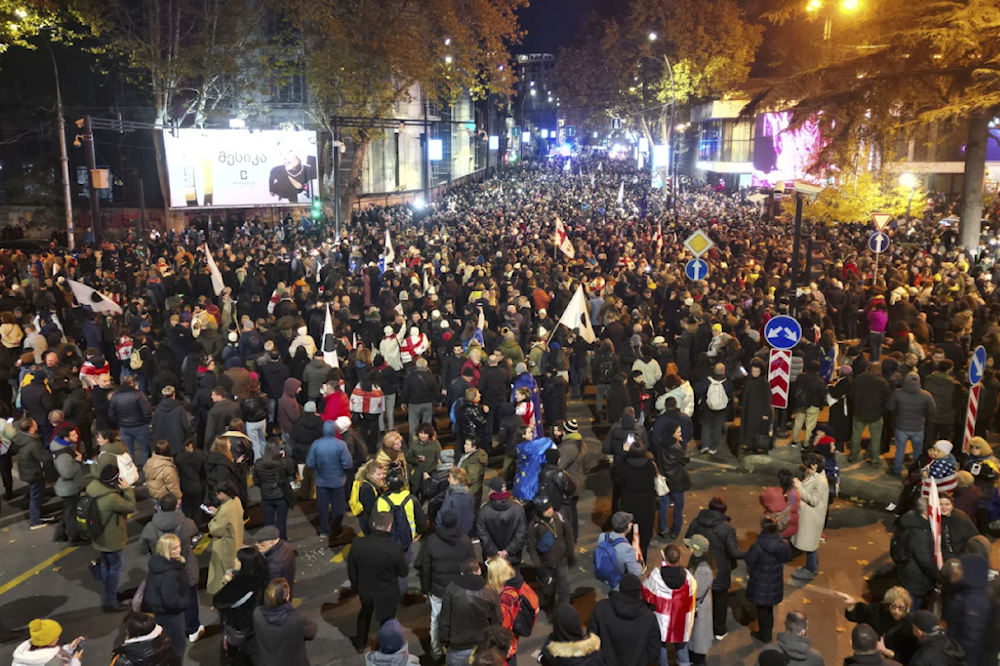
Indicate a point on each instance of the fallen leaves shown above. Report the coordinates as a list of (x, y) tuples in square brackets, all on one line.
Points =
[(806, 600), (863, 563)]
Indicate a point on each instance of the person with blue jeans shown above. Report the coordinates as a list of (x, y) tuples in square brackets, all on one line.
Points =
[(115, 501), (912, 407), (129, 408), (814, 496), (31, 459), (670, 461), (273, 474), (330, 459), (670, 589)]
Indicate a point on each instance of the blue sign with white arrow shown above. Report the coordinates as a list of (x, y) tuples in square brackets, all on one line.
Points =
[(878, 242), (696, 269), (977, 365), (783, 332)]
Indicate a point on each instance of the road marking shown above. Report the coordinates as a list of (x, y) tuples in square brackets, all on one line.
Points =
[(342, 555), (202, 545), (713, 463), (296, 602), (36, 569)]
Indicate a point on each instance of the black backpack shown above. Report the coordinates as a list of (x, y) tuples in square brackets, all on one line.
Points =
[(605, 371), (401, 532), (88, 518), (897, 546)]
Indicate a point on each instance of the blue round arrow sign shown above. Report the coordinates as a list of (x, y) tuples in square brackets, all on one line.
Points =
[(783, 332), (977, 364)]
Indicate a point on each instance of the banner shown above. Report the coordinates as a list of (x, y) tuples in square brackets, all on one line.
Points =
[(562, 240), (227, 168), (576, 317), (217, 284)]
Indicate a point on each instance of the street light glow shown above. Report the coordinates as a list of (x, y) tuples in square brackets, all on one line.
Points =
[(814, 5), (533, 91), (849, 5), (447, 41), (447, 59), (652, 36), (909, 181)]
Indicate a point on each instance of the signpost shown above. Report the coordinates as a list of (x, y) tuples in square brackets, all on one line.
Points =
[(782, 332), (699, 243), (696, 270), (977, 364), (778, 372), (881, 220), (878, 242)]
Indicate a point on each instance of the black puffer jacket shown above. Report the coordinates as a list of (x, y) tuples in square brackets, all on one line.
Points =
[(501, 525), (441, 558), (555, 483), (472, 423), (870, 397), (147, 651), (273, 375), (273, 477), (218, 470), (918, 572), (307, 430), (671, 461), (627, 627), (129, 408), (721, 536), (254, 408), (554, 400), (766, 563), (167, 587)]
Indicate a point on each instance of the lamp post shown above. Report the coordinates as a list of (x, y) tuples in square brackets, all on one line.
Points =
[(63, 156), (670, 140), (525, 97), (908, 180)]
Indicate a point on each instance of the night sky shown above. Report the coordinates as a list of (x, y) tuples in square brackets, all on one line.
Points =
[(552, 23)]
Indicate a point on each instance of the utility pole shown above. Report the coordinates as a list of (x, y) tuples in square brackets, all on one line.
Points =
[(336, 177), (426, 154), (142, 217), (796, 246), (95, 207), (63, 157)]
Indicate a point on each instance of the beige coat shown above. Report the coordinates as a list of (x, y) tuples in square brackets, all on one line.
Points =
[(161, 477), (815, 496), (226, 529)]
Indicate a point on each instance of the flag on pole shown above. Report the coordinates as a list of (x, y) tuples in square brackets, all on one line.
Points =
[(388, 255), (217, 283), (88, 296), (575, 316), (568, 167), (600, 166), (659, 237), (934, 516), (621, 193), (562, 240), (329, 341), (591, 178)]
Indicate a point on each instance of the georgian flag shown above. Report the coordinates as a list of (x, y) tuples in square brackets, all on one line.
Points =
[(934, 516), (562, 240), (217, 284), (659, 237)]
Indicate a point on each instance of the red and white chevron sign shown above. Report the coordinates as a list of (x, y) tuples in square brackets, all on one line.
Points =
[(970, 416), (779, 368)]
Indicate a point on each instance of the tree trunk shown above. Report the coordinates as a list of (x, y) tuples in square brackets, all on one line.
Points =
[(161, 173), (354, 182), (970, 225)]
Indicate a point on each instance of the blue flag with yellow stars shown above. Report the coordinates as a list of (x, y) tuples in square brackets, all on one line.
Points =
[(530, 460)]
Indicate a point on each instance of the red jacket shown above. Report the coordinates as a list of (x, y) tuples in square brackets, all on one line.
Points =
[(337, 405), (773, 501)]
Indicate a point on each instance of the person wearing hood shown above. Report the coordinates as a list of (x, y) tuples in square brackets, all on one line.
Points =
[(766, 561), (168, 591), (969, 608), (569, 644), (756, 410), (865, 642), (468, 607), (947, 394), (315, 376), (390, 347), (916, 566), (330, 460), (78, 410), (391, 649), (681, 391), (510, 349), (115, 501), (626, 625), (303, 340), (43, 649), (440, 564), (670, 589), (913, 408), (713, 524), (937, 648), (289, 408), (171, 421), (793, 643), (273, 375), (501, 525), (68, 464), (168, 520), (281, 629)]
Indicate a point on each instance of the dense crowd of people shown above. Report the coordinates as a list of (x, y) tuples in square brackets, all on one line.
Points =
[(413, 379)]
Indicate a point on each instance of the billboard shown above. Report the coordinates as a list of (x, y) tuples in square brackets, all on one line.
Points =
[(229, 168), (780, 153)]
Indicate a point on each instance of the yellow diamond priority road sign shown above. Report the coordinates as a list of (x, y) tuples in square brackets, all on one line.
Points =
[(699, 243)]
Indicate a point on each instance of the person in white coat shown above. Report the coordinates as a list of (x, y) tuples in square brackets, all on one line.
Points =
[(814, 493), (303, 339), (391, 347)]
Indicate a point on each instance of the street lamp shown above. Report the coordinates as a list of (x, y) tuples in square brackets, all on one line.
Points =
[(911, 182), (447, 59), (652, 36)]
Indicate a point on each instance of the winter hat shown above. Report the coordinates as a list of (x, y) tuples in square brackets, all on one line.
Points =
[(109, 475), (390, 637), (387, 330), (620, 521), (925, 621), (698, 545), (845, 370), (630, 586), (447, 456), (567, 627), (571, 426), (44, 632), (448, 518), (343, 423), (495, 484), (944, 446), (716, 328), (659, 340), (302, 330), (310, 407), (912, 377)]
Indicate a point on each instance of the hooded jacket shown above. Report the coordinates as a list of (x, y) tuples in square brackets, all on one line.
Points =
[(967, 614), (329, 456), (913, 407), (468, 607), (273, 375), (172, 522), (440, 560), (628, 630), (171, 422), (162, 477), (306, 430), (113, 507), (940, 649), (945, 391), (31, 456), (918, 572), (870, 394), (281, 634), (289, 409), (70, 471), (766, 563), (153, 649), (314, 376), (501, 525), (56, 655), (219, 416), (797, 648), (167, 586), (721, 536)]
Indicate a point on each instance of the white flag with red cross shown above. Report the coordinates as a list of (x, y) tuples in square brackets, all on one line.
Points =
[(562, 240), (934, 516)]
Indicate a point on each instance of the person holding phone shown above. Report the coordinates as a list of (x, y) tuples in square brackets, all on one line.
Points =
[(42, 647)]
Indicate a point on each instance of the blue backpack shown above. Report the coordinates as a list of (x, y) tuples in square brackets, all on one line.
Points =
[(606, 562)]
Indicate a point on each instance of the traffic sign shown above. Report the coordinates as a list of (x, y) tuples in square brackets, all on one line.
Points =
[(778, 375), (977, 364), (878, 242), (696, 269), (699, 243), (881, 220), (782, 332)]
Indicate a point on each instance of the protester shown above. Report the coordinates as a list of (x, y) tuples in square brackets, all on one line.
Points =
[(766, 561), (626, 625), (146, 644), (468, 607), (501, 525), (793, 643), (814, 493), (440, 563), (375, 565), (713, 524), (670, 590), (518, 602), (242, 592), (936, 647), (115, 501), (226, 530), (281, 630), (273, 474), (168, 591), (569, 644), (552, 551)]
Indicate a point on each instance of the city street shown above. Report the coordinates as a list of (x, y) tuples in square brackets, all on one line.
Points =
[(42, 579)]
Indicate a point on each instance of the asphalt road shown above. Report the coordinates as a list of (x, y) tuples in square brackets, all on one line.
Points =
[(39, 578)]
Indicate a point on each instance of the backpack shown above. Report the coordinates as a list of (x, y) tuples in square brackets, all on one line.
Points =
[(716, 398), (527, 611), (135, 359), (605, 371), (784, 517), (401, 532), (606, 562), (126, 468), (897, 546), (354, 502), (88, 518)]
